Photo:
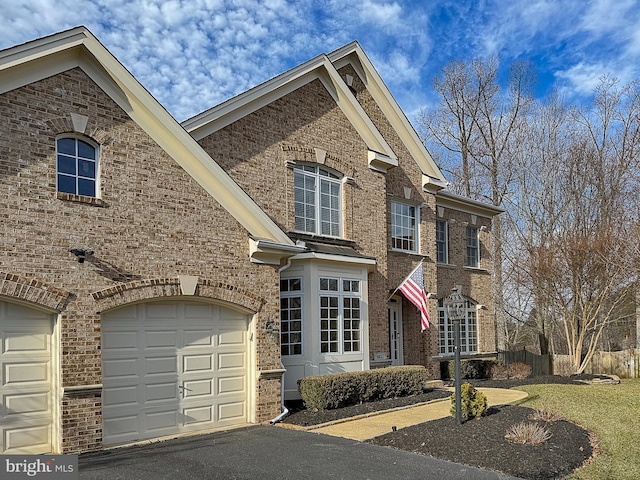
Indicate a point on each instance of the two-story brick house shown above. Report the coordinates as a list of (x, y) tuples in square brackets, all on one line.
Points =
[(156, 277)]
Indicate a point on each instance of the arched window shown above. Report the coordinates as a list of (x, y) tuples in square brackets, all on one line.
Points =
[(468, 329), (317, 202), (77, 166)]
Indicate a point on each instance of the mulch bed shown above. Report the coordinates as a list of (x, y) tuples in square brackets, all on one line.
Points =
[(481, 443), (307, 417), (478, 442)]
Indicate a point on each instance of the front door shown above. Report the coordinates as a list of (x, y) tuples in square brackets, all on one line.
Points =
[(395, 333)]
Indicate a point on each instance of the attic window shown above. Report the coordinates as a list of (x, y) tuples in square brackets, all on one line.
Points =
[(77, 166)]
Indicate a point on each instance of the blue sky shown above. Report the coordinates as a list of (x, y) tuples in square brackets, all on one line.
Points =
[(194, 54)]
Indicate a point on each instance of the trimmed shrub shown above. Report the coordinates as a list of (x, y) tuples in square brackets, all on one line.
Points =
[(337, 390), (516, 371), (468, 368), (474, 402), (498, 372), (519, 371)]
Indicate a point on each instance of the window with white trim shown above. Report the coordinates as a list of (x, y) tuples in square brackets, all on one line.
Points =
[(468, 330), (77, 166), (473, 247), (291, 316), (442, 241), (340, 315), (317, 202), (404, 226)]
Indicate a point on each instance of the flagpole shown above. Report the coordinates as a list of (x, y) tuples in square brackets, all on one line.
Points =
[(405, 278)]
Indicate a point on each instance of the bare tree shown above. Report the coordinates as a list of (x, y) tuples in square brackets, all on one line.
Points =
[(477, 122), (583, 257), (450, 128), (533, 210)]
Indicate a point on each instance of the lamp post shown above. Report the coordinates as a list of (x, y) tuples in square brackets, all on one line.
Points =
[(455, 305)]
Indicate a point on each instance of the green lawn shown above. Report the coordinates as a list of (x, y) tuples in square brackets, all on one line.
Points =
[(612, 412)]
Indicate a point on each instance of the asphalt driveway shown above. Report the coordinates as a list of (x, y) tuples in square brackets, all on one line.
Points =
[(265, 453)]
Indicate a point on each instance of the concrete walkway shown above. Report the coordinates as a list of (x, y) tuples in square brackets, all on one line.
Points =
[(375, 424)]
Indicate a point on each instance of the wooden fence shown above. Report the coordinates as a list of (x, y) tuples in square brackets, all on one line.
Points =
[(540, 364), (624, 364)]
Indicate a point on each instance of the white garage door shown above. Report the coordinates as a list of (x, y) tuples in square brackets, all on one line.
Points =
[(172, 367), (25, 373)]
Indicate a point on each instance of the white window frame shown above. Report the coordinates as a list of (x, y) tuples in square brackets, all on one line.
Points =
[(286, 330), (472, 241), (402, 223), (342, 295), (77, 176), (468, 330), (321, 179), (442, 242)]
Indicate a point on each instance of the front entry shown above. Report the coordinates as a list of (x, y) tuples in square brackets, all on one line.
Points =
[(395, 332)]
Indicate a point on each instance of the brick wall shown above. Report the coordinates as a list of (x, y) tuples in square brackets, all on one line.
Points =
[(152, 222), (476, 282), (255, 148)]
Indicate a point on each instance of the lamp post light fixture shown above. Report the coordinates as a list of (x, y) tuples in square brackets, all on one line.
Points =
[(455, 306)]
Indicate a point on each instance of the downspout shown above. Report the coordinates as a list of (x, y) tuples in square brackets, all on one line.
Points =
[(285, 410)]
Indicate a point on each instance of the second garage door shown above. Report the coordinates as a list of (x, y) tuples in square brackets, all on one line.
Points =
[(172, 367), (26, 407)]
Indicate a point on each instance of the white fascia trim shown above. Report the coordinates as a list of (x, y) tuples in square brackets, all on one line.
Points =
[(353, 54), (368, 262), (466, 205), (164, 129), (218, 117), (321, 68), (271, 253), (433, 185), (89, 54)]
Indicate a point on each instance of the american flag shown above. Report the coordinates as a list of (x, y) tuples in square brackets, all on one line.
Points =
[(413, 289)]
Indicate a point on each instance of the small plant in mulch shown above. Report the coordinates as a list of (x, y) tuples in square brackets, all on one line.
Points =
[(474, 402), (546, 413), (528, 433)]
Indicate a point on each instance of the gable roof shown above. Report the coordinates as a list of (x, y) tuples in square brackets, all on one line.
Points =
[(325, 68), (353, 54), (380, 156), (78, 47)]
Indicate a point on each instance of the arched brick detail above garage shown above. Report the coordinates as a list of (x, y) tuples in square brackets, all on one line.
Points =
[(156, 288), (32, 291)]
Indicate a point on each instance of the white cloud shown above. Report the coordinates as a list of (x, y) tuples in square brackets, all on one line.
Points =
[(583, 78), (380, 14), (193, 54)]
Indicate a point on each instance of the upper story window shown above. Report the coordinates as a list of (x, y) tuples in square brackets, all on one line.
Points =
[(404, 226), (468, 329), (442, 242), (317, 200), (473, 247), (291, 316), (77, 166)]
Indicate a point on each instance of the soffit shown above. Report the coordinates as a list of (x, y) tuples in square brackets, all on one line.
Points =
[(467, 205)]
